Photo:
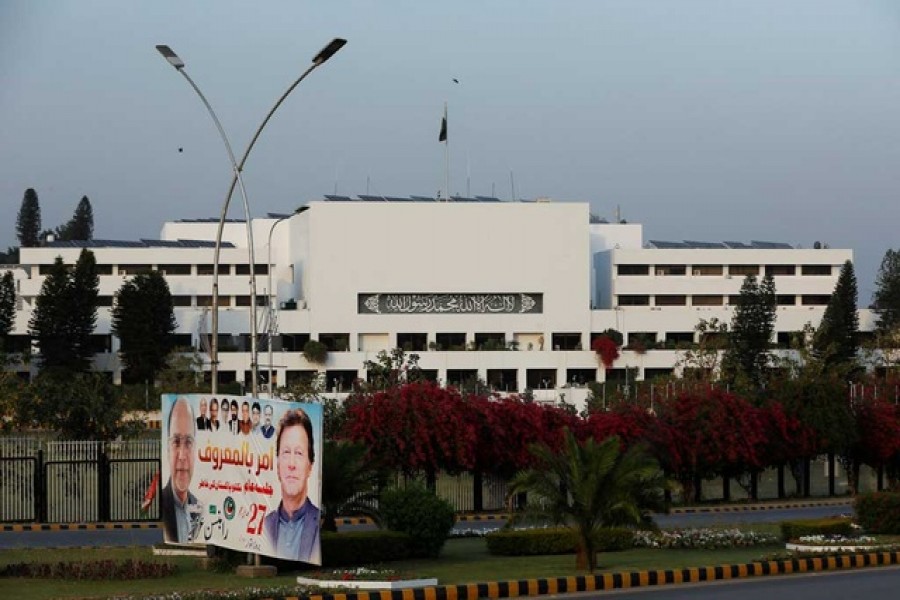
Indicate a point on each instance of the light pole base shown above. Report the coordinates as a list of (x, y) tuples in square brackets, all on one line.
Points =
[(256, 571)]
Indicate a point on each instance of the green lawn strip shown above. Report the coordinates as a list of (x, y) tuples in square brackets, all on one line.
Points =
[(462, 561)]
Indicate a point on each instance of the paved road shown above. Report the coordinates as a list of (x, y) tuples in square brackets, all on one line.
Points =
[(148, 537), (881, 583)]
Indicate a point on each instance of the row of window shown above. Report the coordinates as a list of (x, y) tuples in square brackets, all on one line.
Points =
[(170, 270), (715, 300), (714, 270)]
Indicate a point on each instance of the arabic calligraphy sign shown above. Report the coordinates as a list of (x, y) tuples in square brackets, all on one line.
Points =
[(243, 474), (435, 303)]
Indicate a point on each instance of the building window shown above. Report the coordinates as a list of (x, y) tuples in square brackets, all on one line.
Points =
[(181, 300), (641, 339), (667, 270), (785, 300), (743, 270), (335, 342), (293, 342), (301, 378), (704, 270), (412, 342), (463, 379), (734, 300), (101, 344), (104, 270), (580, 377), (340, 381), (182, 340), (540, 379), (815, 299), (245, 301), (450, 341), (245, 270), (631, 300), (633, 269), (503, 380), (174, 269), (127, 270), (104, 300), (781, 270), (671, 300), (704, 300), (490, 341), (208, 269), (679, 338), (567, 341), (816, 269), (47, 269)]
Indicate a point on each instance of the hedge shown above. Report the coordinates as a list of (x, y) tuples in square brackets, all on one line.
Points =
[(791, 530), (364, 547), (879, 512)]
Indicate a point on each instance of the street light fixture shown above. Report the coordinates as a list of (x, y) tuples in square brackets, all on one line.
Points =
[(270, 295), (327, 52), (176, 62)]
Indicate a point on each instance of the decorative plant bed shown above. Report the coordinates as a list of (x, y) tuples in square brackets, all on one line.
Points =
[(365, 578), (840, 543), (359, 584), (179, 550)]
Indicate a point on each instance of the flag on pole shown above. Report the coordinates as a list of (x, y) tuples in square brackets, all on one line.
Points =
[(442, 137), (150, 493)]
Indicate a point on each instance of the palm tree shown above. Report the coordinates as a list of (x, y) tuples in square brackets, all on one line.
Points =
[(589, 486), (350, 485)]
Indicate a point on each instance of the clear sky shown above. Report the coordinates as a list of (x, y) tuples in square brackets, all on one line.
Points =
[(702, 119)]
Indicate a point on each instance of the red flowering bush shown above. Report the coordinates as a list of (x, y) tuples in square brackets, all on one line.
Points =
[(607, 349)]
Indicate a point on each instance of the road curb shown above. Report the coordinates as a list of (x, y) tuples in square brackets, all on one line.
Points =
[(687, 510), (77, 526), (632, 579)]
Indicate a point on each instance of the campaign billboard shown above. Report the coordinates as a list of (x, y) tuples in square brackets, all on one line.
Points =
[(242, 473)]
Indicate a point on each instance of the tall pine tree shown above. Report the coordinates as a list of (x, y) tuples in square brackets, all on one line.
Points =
[(887, 293), (65, 314), (837, 339), (28, 222), (49, 321), (81, 226), (7, 307), (752, 326), (144, 321)]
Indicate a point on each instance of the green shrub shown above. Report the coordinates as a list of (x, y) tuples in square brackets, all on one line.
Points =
[(315, 352), (557, 540), (417, 512), (364, 547), (791, 530), (879, 512)]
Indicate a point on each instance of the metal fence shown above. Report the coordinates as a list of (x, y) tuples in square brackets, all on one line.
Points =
[(76, 482)]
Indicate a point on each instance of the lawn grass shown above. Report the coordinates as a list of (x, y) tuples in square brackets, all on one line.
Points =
[(462, 561)]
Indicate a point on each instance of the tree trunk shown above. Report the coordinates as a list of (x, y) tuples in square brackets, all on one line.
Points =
[(431, 480), (477, 491), (585, 555), (781, 492), (726, 488), (831, 473)]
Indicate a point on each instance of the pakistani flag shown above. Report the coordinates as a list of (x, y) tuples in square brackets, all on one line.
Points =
[(442, 137)]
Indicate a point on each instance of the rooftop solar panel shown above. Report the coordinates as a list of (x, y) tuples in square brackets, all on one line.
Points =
[(770, 245), (368, 198), (335, 198), (704, 245)]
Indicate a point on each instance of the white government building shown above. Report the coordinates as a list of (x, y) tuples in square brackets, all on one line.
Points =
[(510, 293)]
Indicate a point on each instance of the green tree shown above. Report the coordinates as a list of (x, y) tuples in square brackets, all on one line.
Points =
[(591, 485), (837, 339), (81, 226), (65, 314), (144, 321), (747, 356), (886, 301), (80, 406), (28, 222), (84, 290), (7, 306), (49, 321)]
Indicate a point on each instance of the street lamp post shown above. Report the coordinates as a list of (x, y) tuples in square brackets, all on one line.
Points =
[(327, 52), (176, 62), (270, 295)]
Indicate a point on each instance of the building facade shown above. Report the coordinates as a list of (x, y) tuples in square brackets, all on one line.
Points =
[(509, 293)]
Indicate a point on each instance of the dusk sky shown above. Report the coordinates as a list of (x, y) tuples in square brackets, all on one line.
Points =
[(775, 120)]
